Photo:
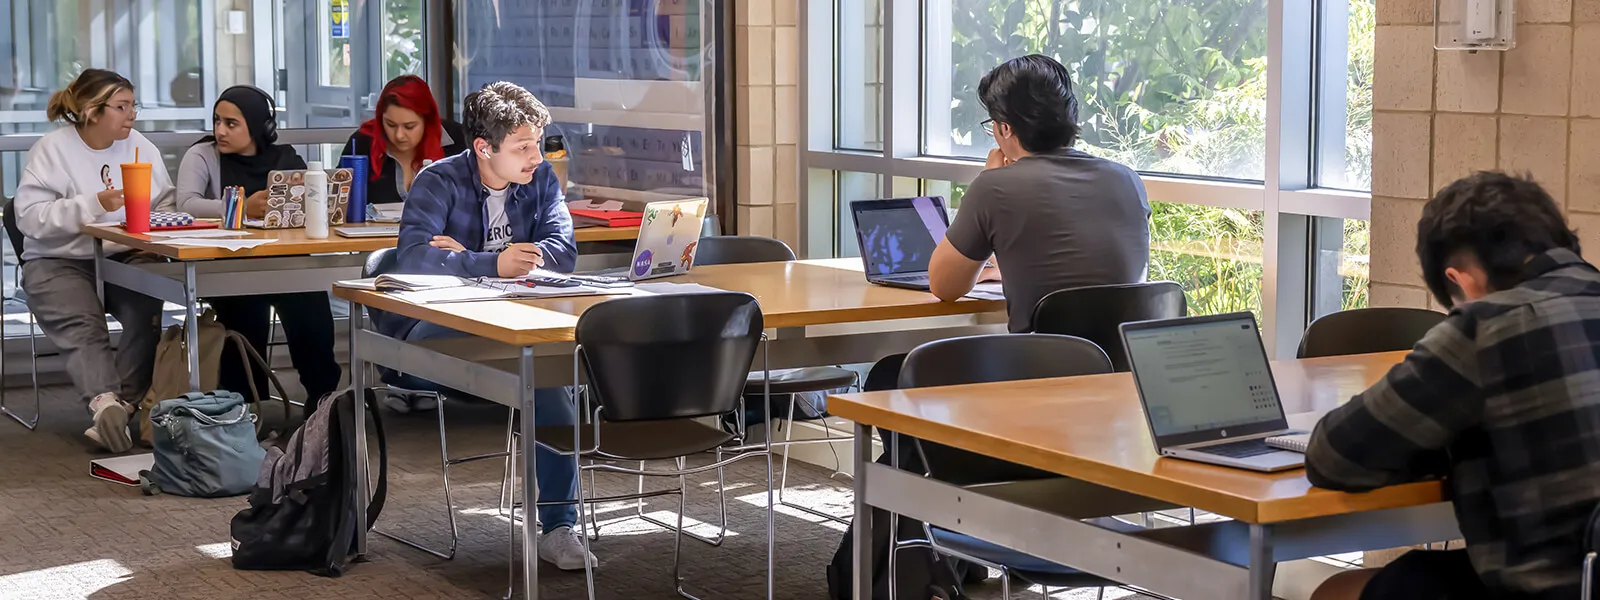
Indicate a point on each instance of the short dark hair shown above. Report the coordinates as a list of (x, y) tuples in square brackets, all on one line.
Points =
[(496, 109), (1033, 95), (1502, 220)]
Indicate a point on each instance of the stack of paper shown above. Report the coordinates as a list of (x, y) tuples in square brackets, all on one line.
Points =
[(225, 244), (502, 289)]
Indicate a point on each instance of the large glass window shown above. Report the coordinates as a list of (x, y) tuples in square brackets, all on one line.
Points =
[(1344, 115), (1214, 253), (860, 83), (1174, 86)]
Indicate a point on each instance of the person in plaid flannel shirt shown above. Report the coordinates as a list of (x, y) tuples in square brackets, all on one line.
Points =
[(1502, 399)]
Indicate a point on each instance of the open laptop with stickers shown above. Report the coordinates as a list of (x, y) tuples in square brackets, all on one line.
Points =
[(668, 237)]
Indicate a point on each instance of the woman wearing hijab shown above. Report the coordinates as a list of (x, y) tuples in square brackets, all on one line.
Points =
[(241, 152), (404, 134)]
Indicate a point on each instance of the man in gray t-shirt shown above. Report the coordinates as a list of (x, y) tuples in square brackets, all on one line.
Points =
[(1051, 217)]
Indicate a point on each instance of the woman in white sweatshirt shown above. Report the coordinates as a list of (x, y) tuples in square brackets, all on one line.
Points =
[(74, 178)]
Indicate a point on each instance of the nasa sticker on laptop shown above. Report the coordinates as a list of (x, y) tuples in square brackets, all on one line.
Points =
[(641, 263)]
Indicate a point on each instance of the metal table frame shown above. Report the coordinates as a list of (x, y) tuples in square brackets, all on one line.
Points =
[(507, 375), (184, 282), (1228, 560)]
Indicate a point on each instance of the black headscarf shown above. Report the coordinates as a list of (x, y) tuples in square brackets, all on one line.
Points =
[(250, 172)]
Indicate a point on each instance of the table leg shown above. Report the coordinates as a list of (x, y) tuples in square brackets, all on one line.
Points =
[(99, 281), (862, 541), (1262, 568), (358, 388), (530, 487), (191, 324)]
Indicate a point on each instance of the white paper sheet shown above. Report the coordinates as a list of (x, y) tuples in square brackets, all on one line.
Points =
[(199, 233), (646, 289), (225, 244), (987, 291)]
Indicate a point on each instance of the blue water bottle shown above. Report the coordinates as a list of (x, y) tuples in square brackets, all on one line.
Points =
[(356, 210)]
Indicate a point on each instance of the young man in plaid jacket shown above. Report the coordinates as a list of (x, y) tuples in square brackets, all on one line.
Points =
[(1502, 399)]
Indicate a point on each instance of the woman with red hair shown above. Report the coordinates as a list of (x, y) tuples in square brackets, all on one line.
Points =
[(404, 134)]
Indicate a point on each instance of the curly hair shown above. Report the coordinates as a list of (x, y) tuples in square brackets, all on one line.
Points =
[(1500, 219), (499, 108)]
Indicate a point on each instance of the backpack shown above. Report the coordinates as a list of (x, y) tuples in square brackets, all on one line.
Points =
[(921, 573), (205, 446), (302, 510), (169, 378)]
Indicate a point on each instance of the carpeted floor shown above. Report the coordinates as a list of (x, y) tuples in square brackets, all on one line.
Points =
[(65, 535)]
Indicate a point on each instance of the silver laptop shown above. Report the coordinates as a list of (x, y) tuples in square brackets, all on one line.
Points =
[(897, 237), (368, 231), (668, 237), (1207, 391)]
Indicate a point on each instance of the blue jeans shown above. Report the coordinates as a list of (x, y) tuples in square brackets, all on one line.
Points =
[(558, 475)]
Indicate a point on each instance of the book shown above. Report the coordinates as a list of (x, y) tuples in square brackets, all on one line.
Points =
[(605, 218), (122, 469), (1294, 442)]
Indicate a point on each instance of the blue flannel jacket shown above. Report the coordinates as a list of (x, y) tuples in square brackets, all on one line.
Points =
[(447, 198)]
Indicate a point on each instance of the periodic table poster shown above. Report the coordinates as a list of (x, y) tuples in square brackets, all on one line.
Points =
[(623, 79)]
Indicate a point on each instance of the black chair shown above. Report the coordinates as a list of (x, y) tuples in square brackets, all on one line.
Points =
[(655, 366), (383, 261), (1365, 330), (8, 216), (982, 359), (1591, 547), (1095, 312), (738, 249)]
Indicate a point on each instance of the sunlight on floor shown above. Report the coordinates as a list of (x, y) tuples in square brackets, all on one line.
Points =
[(77, 580)]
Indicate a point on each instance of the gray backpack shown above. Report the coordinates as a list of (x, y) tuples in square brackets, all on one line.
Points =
[(205, 446)]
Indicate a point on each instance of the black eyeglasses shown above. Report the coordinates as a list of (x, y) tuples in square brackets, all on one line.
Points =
[(988, 126)]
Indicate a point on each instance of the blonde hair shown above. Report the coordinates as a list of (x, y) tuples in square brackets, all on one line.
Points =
[(86, 97)]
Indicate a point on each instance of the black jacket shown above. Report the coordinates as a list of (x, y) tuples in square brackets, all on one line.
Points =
[(383, 189)]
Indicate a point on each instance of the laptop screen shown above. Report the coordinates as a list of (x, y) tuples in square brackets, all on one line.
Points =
[(1204, 378), (898, 236)]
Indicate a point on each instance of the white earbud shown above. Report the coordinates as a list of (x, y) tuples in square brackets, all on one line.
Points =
[(486, 154)]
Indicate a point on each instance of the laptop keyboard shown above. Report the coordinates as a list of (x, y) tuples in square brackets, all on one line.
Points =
[(916, 277), (1244, 449)]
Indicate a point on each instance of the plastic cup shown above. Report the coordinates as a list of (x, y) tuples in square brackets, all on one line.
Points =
[(136, 196)]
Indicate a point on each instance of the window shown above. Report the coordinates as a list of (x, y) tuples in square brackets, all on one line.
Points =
[(860, 85), (1344, 113), (1214, 253), (1340, 263), (1173, 86)]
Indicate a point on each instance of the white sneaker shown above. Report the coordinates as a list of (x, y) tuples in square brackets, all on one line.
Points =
[(563, 548), (397, 401), (110, 428), (403, 403), (424, 402)]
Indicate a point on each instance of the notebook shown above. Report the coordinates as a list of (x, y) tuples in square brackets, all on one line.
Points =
[(405, 283), (1294, 442), (122, 469), (502, 289), (605, 218)]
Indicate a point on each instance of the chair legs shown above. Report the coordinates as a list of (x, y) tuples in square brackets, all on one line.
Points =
[(683, 490), (33, 351), (445, 462), (783, 482)]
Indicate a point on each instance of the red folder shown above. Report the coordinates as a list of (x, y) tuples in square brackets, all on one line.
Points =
[(582, 217)]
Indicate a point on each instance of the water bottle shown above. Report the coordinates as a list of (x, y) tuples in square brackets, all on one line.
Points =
[(356, 210), (316, 204)]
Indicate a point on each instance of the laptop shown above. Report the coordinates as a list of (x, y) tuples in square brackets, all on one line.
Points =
[(668, 236), (368, 231), (286, 193), (1207, 391), (897, 237)]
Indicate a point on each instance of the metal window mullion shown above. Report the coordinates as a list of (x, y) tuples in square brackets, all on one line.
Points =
[(817, 110), (1286, 240)]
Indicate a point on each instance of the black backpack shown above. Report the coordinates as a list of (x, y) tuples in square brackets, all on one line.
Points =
[(312, 528)]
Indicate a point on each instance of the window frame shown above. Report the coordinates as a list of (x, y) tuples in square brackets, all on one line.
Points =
[(1298, 32)]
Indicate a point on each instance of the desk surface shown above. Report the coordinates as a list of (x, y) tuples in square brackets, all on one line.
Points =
[(795, 294), (293, 242), (1092, 428)]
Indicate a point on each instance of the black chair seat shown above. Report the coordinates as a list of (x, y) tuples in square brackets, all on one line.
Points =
[(795, 381), (640, 440)]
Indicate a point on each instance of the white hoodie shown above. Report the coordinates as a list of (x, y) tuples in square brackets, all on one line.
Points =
[(57, 194)]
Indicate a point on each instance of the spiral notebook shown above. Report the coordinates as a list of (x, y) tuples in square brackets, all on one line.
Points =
[(1295, 442)]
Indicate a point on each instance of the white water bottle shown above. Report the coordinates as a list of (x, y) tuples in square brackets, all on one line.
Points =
[(316, 204)]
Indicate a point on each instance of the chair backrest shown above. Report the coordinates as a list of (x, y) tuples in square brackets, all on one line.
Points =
[(1365, 330), (736, 249), (990, 358), (9, 219), (671, 356), (1095, 312), (1001, 357)]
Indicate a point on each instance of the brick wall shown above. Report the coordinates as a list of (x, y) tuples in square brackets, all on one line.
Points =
[(767, 77), (1439, 115)]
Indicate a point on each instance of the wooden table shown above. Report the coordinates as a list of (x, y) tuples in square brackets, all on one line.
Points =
[(806, 301), (293, 262), (1092, 429)]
